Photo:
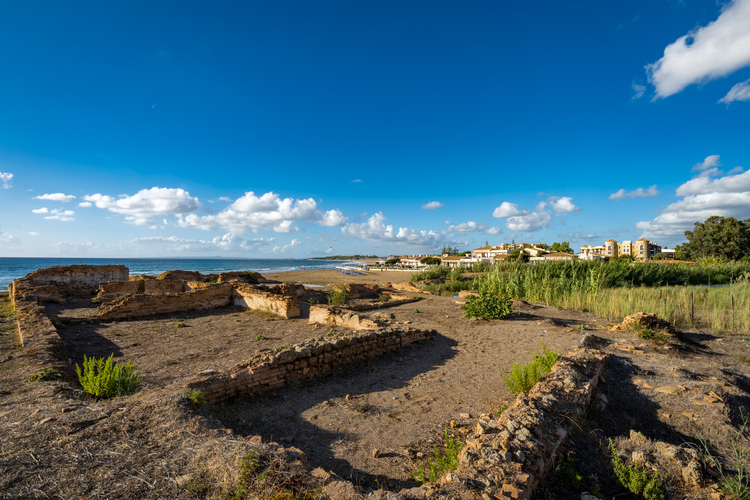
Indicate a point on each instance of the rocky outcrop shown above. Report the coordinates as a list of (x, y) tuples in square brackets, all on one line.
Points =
[(358, 291), (643, 321), (404, 287), (307, 359)]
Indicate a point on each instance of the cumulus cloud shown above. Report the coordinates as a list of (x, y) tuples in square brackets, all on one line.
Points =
[(637, 193), (56, 197), (375, 229), (268, 211), (703, 196), (494, 231), (711, 161), (227, 243), (85, 204), (226, 198), (5, 178), (562, 205), (33, 233), (62, 215), (740, 92), (432, 205), (42, 210), (467, 227), (508, 209), (705, 53), (530, 222), (289, 246), (146, 203)]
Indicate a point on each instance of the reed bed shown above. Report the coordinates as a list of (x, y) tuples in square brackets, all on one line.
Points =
[(615, 291)]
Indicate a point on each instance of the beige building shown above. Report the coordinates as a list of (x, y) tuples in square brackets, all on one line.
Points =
[(642, 249)]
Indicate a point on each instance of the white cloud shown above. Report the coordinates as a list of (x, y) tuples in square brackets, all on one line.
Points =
[(562, 205), (703, 196), (9, 240), (62, 215), (375, 229), (56, 197), (530, 222), (268, 211), (147, 203), (705, 53), (5, 178), (85, 204), (33, 233), (467, 227), (494, 231), (226, 198), (289, 246), (507, 209), (333, 218), (638, 193), (357, 180), (740, 92), (228, 243), (711, 161), (42, 210), (432, 205), (638, 91)]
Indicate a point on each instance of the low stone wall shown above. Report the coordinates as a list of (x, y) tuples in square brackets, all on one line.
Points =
[(208, 297), (304, 360), (326, 315), (404, 287), (280, 304), (359, 291), (38, 336), (82, 276), (112, 290)]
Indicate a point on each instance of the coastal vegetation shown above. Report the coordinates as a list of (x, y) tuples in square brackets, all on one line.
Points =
[(107, 380), (523, 377)]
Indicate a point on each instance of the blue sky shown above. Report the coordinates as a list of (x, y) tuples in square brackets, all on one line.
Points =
[(292, 129)]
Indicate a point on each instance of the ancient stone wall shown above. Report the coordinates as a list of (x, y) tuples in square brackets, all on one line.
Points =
[(84, 276), (357, 291), (280, 304), (38, 336), (208, 297), (326, 315), (304, 360), (112, 290)]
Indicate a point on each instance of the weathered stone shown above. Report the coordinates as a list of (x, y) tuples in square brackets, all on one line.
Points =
[(340, 490)]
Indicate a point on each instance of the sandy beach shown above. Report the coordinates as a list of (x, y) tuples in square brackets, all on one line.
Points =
[(333, 277)]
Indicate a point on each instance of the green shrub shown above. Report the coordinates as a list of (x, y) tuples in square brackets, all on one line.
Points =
[(45, 374), (523, 377), (565, 473), (441, 462), (635, 479), (106, 379), (430, 274), (195, 395), (259, 337), (250, 277), (337, 298), (96, 301), (384, 297), (488, 306), (180, 325)]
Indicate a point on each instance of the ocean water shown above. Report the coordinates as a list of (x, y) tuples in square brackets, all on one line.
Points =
[(12, 268)]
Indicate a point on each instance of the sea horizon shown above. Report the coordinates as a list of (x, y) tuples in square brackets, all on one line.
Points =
[(12, 268)]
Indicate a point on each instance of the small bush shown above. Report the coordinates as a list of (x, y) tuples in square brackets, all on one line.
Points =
[(96, 301), (180, 325), (488, 306), (106, 379), (45, 374), (582, 327), (523, 377), (259, 337), (330, 334), (384, 297), (565, 473), (635, 479), (337, 298), (250, 277), (430, 274), (195, 395), (437, 466)]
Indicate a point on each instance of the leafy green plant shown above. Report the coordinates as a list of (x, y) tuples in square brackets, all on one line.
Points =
[(106, 379), (582, 327), (337, 298), (259, 337), (250, 277), (180, 325), (195, 395), (45, 374), (635, 479), (565, 473), (416, 311), (488, 306), (501, 410), (96, 301), (441, 462), (523, 377), (648, 334), (330, 334), (384, 297), (312, 301)]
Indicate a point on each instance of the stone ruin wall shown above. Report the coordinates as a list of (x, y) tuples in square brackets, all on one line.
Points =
[(307, 359), (207, 296), (283, 304), (327, 315), (110, 291)]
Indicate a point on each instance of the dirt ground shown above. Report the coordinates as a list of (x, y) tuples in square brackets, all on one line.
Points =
[(55, 442)]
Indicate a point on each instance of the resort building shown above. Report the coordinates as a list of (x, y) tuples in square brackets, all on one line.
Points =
[(642, 249)]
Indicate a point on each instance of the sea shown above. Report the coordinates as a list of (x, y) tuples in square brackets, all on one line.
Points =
[(12, 268)]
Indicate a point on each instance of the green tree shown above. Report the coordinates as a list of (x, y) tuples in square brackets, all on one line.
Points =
[(392, 262), (561, 247), (723, 237), (430, 261)]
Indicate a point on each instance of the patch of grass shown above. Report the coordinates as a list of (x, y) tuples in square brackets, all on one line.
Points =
[(736, 485), (488, 306), (441, 462), (195, 395), (523, 377), (180, 325), (430, 274), (635, 479), (743, 359), (330, 334), (106, 379), (337, 298), (250, 277), (259, 337), (501, 410), (565, 473), (312, 301), (416, 311), (648, 334), (582, 327), (6, 308), (45, 374), (384, 297), (96, 301)]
